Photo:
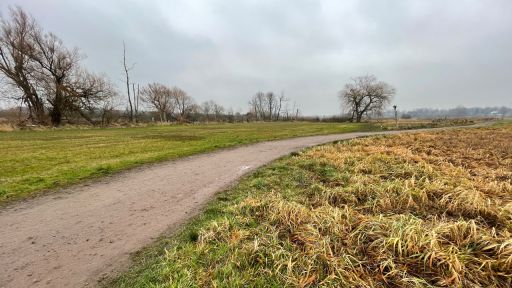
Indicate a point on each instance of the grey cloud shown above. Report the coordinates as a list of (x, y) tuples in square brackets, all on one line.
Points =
[(436, 53)]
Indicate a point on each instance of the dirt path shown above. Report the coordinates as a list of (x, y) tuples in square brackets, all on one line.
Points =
[(73, 237)]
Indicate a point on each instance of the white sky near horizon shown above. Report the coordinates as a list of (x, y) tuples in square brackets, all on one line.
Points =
[(439, 53)]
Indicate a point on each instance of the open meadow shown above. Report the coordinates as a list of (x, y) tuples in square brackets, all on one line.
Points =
[(430, 209), (31, 161), (219, 144)]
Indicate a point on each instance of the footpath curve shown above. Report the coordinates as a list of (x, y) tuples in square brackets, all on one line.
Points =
[(76, 236)]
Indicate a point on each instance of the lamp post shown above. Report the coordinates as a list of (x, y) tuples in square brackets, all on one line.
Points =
[(396, 116)]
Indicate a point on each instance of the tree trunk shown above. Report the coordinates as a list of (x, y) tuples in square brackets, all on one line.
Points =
[(359, 116), (135, 103), (58, 103), (56, 116), (35, 105), (37, 113), (126, 70), (129, 97)]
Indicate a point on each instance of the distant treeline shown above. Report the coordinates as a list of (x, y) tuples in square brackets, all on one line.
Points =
[(457, 112), (196, 114)]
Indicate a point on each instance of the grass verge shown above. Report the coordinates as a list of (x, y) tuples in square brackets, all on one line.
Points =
[(416, 210)]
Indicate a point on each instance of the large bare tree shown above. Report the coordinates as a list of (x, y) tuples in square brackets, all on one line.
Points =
[(47, 75), (365, 95), (15, 62), (56, 67)]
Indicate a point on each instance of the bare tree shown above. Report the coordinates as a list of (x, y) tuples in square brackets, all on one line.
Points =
[(159, 97), (184, 104), (67, 86), (282, 100), (230, 113), (127, 74), (87, 91), (285, 113), (46, 73), (212, 110), (218, 111), (262, 105), (295, 111), (365, 94), (257, 104), (207, 109), (56, 69), (267, 106), (107, 109), (15, 63)]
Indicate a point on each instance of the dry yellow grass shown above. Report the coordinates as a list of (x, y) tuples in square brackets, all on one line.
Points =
[(415, 210)]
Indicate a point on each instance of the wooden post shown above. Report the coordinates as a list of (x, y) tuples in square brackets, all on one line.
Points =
[(396, 116)]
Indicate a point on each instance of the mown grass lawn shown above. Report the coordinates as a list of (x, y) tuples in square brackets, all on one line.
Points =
[(32, 161), (416, 210)]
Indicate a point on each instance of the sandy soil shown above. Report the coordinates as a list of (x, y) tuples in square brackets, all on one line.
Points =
[(79, 235)]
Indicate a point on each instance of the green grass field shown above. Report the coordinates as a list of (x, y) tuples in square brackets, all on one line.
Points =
[(429, 209), (32, 161)]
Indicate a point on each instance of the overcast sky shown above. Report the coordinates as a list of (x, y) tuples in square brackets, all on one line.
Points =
[(436, 53)]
